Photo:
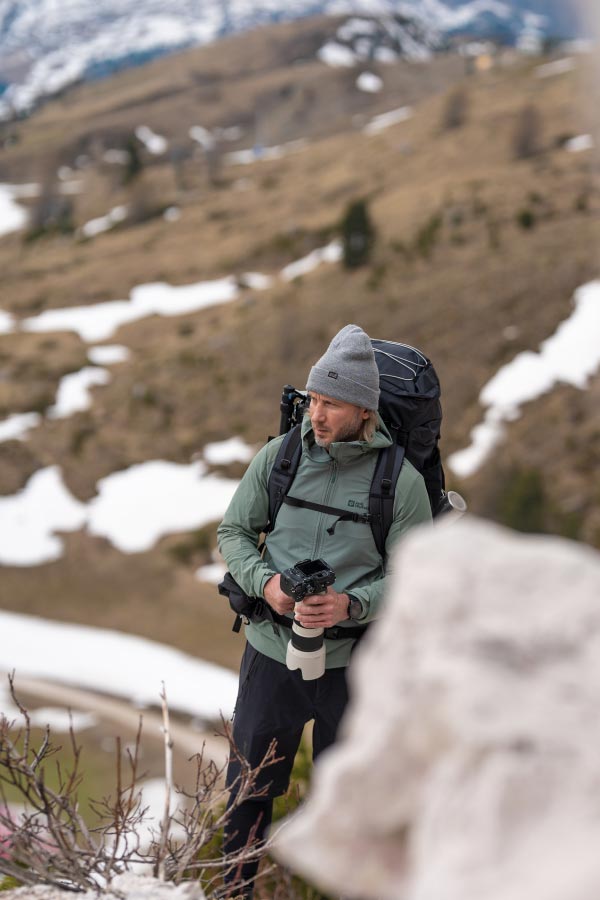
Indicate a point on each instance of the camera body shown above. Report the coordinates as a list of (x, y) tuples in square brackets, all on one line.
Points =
[(306, 648), (307, 577)]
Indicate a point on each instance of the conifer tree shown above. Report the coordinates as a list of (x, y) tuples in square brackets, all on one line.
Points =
[(134, 165), (358, 235)]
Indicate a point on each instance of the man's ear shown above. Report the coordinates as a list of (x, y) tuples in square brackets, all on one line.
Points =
[(364, 414)]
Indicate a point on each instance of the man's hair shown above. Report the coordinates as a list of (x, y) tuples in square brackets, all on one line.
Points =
[(369, 427)]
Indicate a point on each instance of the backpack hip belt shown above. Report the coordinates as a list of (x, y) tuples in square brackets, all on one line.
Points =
[(255, 609)]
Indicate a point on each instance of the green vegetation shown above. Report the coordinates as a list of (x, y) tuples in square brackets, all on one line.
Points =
[(428, 235), (286, 805), (133, 168), (195, 548), (80, 436), (456, 109), (525, 504), (527, 135), (98, 759), (51, 216), (526, 219), (358, 235)]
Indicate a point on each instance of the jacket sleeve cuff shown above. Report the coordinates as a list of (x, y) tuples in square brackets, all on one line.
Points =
[(266, 576)]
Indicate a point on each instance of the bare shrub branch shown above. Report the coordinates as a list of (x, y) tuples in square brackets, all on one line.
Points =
[(49, 842)]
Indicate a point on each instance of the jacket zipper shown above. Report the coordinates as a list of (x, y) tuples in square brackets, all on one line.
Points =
[(321, 525)]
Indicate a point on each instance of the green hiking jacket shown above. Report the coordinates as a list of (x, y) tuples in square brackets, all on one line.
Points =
[(340, 478)]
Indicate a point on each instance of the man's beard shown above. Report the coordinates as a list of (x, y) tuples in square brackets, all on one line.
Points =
[(350, 432)]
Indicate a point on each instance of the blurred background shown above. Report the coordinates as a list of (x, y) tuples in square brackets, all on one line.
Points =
[(195, 196)]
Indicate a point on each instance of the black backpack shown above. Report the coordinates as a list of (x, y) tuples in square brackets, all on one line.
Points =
[(409, 404)]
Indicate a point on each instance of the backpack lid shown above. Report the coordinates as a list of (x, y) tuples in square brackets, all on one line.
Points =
[(405, 370)]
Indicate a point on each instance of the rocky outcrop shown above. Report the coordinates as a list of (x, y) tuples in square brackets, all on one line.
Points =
[(468, 766)]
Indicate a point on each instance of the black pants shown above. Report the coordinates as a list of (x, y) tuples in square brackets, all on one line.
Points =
[(274, 703)]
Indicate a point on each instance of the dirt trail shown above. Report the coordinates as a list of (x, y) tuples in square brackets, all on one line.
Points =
[(186, 739)]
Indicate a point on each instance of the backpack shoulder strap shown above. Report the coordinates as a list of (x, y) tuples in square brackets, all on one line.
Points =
[(283, 472), (382, 493)]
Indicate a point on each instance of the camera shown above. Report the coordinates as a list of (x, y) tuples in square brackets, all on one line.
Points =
[(309, 576), (306, 650)]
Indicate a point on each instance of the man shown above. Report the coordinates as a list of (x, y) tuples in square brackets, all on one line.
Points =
[(341, 437)]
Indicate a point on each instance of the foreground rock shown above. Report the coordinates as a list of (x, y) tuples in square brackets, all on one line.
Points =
[(125, 887), (469, 764)]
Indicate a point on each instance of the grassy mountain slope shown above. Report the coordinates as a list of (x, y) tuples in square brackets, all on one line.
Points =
[(477, 257)]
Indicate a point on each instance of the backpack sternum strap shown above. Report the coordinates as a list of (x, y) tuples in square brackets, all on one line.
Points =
[(382, 493), (343, 515)]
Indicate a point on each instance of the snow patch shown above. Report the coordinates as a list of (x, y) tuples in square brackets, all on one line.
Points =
[(138, 506), (133, 508), (385, 55), (212, 573), (337, 55), (104, 223), (100, 321), (256, 281), (356, 27), (73, 393), (570, 356), (202, 136), (7, 322), (58, 720), (259, 153), (222, 453), (386, 120), (330, 254), (154, 143), (172, 214), (109, 662), (13, 216), (369, 82), (580, 143), (557, 67), (108, 354), (30, 520), (17, 426)]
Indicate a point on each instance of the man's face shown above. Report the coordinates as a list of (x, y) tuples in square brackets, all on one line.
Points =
[(334, 420)]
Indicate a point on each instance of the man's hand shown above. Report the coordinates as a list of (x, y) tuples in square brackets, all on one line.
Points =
[(275, 597), (322, 610)]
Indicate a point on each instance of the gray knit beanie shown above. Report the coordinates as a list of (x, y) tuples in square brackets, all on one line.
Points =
[(347, 370)]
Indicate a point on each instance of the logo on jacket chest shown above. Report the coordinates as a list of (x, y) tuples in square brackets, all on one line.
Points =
[(356, 504)]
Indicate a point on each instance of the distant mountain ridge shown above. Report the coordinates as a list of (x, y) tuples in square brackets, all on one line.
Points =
[(45, 46)]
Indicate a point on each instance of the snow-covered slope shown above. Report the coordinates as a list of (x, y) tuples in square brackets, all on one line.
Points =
[(45, 45)]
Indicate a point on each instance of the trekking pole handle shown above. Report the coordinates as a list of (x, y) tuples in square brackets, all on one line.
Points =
[(452, 503)]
